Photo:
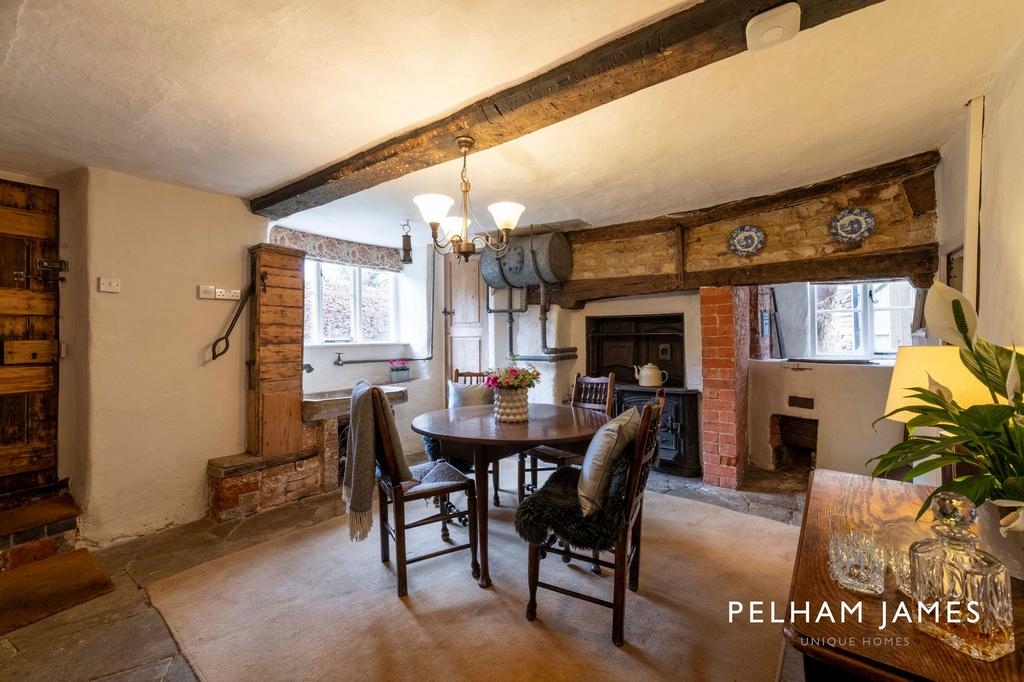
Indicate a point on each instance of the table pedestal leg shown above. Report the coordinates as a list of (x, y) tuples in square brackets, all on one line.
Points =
[(480, 470)]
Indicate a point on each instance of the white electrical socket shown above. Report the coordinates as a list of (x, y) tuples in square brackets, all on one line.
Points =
[(229, 294), (206, 291), (109, 285)]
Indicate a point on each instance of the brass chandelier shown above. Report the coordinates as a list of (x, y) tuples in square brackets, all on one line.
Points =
[(456, 238)]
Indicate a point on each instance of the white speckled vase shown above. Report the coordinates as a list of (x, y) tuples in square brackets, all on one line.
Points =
[(511, 405)]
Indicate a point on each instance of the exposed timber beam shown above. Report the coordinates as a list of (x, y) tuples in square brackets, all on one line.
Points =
[(916, 263), (680, 43), (904, 191)]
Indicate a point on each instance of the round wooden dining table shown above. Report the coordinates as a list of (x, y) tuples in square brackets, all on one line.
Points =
[(491, 440)]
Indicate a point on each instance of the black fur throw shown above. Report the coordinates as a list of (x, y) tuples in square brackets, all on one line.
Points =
[(555, 508)]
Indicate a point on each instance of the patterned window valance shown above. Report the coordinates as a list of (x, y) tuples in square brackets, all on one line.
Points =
[(338, 250)]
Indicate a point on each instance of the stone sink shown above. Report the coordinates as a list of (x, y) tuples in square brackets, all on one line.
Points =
[(334, 404)]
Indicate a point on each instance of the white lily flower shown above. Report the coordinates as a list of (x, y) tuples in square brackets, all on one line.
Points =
[(938, 314), (1014, 521), (1012, 378), (938, 389)]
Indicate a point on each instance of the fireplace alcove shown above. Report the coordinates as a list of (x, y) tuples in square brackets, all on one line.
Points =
[(617, 344)]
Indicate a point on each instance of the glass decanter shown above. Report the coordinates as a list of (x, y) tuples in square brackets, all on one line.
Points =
[(962, 593)]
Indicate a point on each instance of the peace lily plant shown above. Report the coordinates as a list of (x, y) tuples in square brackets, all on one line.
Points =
[(988, 438)]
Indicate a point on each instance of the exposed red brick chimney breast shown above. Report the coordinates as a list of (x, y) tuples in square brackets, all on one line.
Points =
[(725, 328)]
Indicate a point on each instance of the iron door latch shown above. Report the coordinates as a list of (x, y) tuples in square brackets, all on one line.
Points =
[(49, 270)]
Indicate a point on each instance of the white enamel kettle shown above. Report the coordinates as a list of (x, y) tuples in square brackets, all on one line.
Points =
[(650, 375)]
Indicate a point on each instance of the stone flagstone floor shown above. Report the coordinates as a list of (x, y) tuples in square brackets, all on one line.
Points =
[(121, 637)]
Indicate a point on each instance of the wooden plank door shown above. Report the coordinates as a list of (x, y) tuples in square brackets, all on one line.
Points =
[(28, 334), (465, 314)]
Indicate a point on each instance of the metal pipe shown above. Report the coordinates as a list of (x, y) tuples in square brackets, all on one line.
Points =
[(544, 307), (550, 354)]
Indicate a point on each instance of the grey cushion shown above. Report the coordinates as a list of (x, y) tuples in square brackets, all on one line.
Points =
[(604, 450), (464, 395)]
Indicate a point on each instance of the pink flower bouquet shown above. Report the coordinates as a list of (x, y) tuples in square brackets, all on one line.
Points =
[(512, 377)]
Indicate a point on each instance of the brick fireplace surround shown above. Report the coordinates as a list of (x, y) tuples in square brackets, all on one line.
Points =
[(730, 337)]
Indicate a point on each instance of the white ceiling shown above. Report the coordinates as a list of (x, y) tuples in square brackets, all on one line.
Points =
[(874, 86), (239, 97)]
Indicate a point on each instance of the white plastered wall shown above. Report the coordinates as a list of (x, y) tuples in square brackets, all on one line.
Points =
[(158, 408), (1002, 206)]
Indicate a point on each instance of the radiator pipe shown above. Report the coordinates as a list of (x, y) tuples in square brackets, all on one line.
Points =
[(550, 354)]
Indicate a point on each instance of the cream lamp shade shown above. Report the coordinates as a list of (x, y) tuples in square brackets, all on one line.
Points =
[(913, 366), (433, 207), (453, 226), (506, 214)]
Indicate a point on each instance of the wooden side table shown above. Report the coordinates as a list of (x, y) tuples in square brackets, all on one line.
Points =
[(859, 650)]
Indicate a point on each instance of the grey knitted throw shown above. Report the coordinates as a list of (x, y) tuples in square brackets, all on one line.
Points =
[(360, 467)]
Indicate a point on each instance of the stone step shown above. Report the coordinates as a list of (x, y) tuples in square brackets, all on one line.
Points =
[(38, 530)]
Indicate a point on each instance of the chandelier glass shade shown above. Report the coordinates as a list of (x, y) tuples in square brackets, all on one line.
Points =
[(455, 237)]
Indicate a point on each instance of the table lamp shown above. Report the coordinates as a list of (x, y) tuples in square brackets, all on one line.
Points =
[(913, 366)]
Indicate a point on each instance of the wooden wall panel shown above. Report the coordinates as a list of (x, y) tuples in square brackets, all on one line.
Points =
[(25, 379), (29, 352), (25, 302), (29, 231), (27, 458), (27, 224), (274, 417)]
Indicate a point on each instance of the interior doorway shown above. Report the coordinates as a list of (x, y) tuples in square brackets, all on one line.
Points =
[(465, 314)]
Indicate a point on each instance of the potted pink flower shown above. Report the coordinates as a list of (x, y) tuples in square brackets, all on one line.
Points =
[(511, 385), (399, 370)]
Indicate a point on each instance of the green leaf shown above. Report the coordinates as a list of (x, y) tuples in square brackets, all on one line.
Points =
[(987, 417), (989, 363), (933, 464), (976, 488), (1013, 488)]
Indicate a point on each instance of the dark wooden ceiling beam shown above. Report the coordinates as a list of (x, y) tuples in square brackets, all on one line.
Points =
[(680, 43)]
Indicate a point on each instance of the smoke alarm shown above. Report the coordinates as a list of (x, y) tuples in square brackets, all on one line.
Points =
[(773, 27)]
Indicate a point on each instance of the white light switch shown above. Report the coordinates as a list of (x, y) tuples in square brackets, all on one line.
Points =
[(110, 285), (206, 291)]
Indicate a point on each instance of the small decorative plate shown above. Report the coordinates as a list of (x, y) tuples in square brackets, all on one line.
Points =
[(746, 240), (852, 225)]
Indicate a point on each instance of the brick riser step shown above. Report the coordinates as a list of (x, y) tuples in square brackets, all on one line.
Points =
[(38, 530)]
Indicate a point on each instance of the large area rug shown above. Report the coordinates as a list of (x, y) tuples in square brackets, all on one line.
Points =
[(314, 606)]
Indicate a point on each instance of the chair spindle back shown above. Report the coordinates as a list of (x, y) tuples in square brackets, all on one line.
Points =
[(461, 377), (594, 393), (646, 449)]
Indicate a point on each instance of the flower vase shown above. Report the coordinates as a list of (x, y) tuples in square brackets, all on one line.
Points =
[(511, 405), (399, 375), (1010, 549)]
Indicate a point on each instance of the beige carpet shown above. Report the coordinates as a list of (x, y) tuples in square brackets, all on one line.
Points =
[(313, 606)]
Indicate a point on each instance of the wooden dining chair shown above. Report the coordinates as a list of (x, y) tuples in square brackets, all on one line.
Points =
[(553, 515), (435, 479), (473, 378), (589, 393)]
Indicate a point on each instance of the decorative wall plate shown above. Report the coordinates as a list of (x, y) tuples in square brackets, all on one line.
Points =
[(852, 225), (746, 240)]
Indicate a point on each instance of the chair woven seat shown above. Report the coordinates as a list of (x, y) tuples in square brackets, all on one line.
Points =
[(555, 508), (435, 478)]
